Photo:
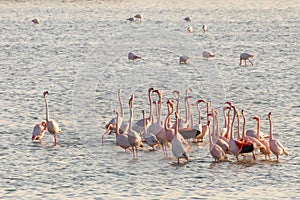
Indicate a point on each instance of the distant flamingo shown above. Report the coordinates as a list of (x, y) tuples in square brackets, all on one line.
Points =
[(184, 60), (52, 126), (35, 21), (134, 138), (38, 131), (204, 28), (207, 54), (188, 19), (178, 149), (205, 127), (189, 29), (275, 145), (133, 56), (245, 57), (138, 17)]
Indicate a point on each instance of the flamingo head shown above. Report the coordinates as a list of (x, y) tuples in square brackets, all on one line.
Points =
[(159, 93), (200, 101), (131, 100), (269, 115), (45, 93), (44, 125), (251, 55), (256, 118), (228, 103), (150, 90)]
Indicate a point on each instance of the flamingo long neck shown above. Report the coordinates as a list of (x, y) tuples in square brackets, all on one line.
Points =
[(186, 109), (207, 111), (117, 124), (238, 126), (168, 117), (144, 119), (258, 128), (130, 118), (214, 125), (271, 131), (47, 111), (217, 125), (120, 102), (244, 125), (151, 115), (225, 120), (176, 124), (232, 124), (199, 114)]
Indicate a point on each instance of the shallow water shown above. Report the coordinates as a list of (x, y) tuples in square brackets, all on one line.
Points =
[(79, 54)]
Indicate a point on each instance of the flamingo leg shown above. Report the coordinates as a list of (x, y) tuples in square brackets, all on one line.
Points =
[(253, 154), (250, 61)]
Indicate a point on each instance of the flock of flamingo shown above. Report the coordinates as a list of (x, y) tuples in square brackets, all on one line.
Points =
[(177, 132), (157, 131)]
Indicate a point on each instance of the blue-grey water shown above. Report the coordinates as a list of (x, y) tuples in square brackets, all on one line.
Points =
[(78, 53)]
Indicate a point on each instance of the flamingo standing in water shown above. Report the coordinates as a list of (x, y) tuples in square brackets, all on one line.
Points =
[(188, 19), (133, 56), (178, 149), (204, 28), (111, 125), (35, 21), (38, 131), (189, 29), (134, 138), (215, 150), (138, 17), (266, 151), (121, 139), (149, 138), (205, 127), (245, 57), (207, 54), (52, 126), (275, 145), (184, 59)]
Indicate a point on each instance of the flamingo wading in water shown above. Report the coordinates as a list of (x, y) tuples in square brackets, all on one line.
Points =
[(245, 57), (275, 145), (38, 131), (52, 126)]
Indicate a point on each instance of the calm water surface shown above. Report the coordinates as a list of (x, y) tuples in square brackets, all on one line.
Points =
[(79, 54)]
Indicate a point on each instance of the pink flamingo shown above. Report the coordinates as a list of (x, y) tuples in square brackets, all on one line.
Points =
[(205, 127), (35, 21), (138, 17), (204, 28), (149, 138), (121, 139), (275, 145), (184, 59), (178, 149), (132, 56), (38, 131), (266, 151), (52, 126), (134, 138), (207, 54)]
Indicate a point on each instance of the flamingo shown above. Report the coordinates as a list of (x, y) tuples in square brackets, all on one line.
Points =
[(245, 57), (149, 138), (178, 149), (275, 145), (111, 125), (184, 59), (219, 140), (182, 123), (134, 138), (156, 127), (38, 131), (52, 126), (205, 127), (188, 19), (189, 29), (224, 128), (36, 21), (266, 151), (133, 56), (138, 17), (257, 144), (139, 125), (215, 150), (207, 54), (121, 139), (204, 28)]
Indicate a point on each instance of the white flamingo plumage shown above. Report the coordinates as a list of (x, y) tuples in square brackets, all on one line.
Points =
[(133, 56), (275, 145), (189, 29), (36, 21), (121, 139), (138, 17), (39, 131), (204, 28), (178, 149), (266, 151), (52, 126), (134, 138), (149, 138)]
